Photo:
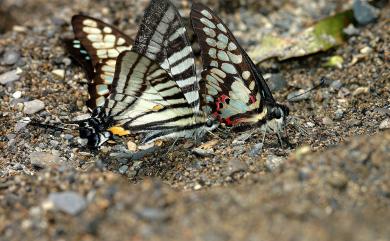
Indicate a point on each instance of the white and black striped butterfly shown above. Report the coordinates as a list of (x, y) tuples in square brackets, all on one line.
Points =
[(155, 89), (96, 47), (234, 91)]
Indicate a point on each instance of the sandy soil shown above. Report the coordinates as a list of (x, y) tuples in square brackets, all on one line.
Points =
[(333, 184)]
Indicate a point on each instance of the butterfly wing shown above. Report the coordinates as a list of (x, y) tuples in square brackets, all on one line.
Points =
[(234, 91), (144, 98), (102, 44), (162, 38), (80, 54)]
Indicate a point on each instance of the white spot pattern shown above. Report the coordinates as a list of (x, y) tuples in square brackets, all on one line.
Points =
[(221, 27), (213, 53), (107, 30), (207, 22), (90, 23), (228, 68), (209, 32), (206, 13), (246, 74), (223, 56)]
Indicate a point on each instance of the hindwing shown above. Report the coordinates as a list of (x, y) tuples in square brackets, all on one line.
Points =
[(233, 89), (96, 47)]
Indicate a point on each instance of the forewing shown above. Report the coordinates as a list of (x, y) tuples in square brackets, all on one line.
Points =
[(103, 44), (144, 96), (162, 38)]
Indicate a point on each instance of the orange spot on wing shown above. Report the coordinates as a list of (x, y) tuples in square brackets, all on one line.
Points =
[(119, 131)]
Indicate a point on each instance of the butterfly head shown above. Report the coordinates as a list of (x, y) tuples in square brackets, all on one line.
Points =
[(93, 129), (276, 118), (208, 124)]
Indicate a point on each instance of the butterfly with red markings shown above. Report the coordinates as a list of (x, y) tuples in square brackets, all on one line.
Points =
[(232, 88), (96, 47)]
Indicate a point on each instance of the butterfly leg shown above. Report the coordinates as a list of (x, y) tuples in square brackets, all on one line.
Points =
[(279, 139), (173, 144), (264, 133), (284, 140)]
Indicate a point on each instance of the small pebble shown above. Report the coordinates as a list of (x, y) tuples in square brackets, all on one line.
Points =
[(123, 160), (203, 153), (276, 82), (69, 202), (355, 122), (336, 84), (59, 72), (309, 124), (20, 125), (360, 90), (18, 28), (351, 30), (197, 186), (339, 113), (58, 21), (364, 13), (238, 150), (236, 165), (18, 167), (31, 107), (256, 150), (366, 50), (241, 139), (385, 124), (327, 121), (40, 159), (301, 152), (338, 180), (17, 94), (9, 77), (131, 146), (68, 137), (10, 57), (152, 214), (123, 169), (67, 61), (273, 162), (53, 143)]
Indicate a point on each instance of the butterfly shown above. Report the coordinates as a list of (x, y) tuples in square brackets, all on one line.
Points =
[(96, 47), (234, 91), (155, 90)]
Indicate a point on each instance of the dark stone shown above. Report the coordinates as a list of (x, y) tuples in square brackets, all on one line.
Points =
[(364, 13)]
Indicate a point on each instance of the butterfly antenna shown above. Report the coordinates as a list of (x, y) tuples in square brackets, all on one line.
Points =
[(211, 133), (46, 126), (322, 82), (171, 147)]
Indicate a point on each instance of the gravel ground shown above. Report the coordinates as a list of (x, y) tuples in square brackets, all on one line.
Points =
[(332, 184)]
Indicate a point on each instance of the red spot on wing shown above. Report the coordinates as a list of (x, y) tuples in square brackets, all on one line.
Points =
[(252, 99), (220, 104)]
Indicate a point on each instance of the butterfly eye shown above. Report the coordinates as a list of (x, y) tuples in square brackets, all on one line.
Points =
[(85, 132), (209, 123), (277, 113)]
